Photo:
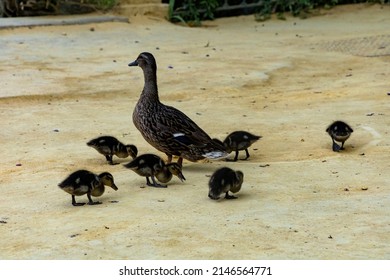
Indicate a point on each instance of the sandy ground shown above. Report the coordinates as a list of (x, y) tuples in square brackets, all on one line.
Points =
[(285, 80)]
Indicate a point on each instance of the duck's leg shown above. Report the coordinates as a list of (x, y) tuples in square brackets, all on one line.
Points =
[(109, 159), (247, 154), (148, 181), (74, 203), (180, 161), (169, 158), (336, 147), (342, 146), (236, 156), (228, 196), (90, 201), (155, 184)]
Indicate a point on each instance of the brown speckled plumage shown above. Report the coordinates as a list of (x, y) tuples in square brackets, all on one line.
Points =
[(166, 128)]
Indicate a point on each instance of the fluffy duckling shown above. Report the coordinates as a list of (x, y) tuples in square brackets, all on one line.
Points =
[(339, 131), (166, 128), (224, 180), (239, 141), (149, 165), (109, 146), (85, 182)]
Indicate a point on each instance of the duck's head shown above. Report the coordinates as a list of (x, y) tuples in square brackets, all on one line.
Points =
[(108, 180), (132, 150), (145, 60), (239, 180), (175, 169), (339, 128)]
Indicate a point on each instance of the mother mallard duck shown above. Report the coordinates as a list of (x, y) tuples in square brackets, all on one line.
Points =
[(166, 128)]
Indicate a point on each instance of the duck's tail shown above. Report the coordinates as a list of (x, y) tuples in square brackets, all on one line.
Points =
[(216, 154)]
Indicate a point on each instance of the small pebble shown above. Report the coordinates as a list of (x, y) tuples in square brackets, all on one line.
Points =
[(18, 164)]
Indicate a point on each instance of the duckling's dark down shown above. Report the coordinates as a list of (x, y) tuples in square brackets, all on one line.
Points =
[(238, 141), (150, 165), (339, 131), (224, 180), (85, 182), (166, 128), (110, 146)]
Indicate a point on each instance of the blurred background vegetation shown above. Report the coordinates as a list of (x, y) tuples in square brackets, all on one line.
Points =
[(190, 12), (194, 11)]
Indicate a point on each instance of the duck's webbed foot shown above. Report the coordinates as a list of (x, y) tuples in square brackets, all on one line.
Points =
[(91, 202), (154, 184), (228, 196), (74, 203)]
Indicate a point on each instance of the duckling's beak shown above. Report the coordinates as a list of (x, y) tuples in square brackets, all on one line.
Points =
[(114, 187), (181, 177), (134, 63), (213, 197)]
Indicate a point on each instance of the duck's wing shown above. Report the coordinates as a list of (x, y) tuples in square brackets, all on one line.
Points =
[(179, 123)]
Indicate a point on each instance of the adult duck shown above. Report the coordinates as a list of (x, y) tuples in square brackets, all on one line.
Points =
[(166, 128)]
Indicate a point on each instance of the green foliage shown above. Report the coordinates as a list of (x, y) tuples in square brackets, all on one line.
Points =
[(192, 12), (103, 5), (301, 8)]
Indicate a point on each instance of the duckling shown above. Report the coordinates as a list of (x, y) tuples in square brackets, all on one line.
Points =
[(339, 131), (85, 182), (224, 180), (150, 165), (166, 128), (238, 141), (109, 146)]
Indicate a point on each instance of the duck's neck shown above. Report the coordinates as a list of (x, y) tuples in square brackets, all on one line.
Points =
[(150, 91), (99, 190), (164, 176)]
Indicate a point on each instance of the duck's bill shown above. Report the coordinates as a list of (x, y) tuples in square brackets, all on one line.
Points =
[(214, 197), (134, 63), (114, 187), (181, 177)]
